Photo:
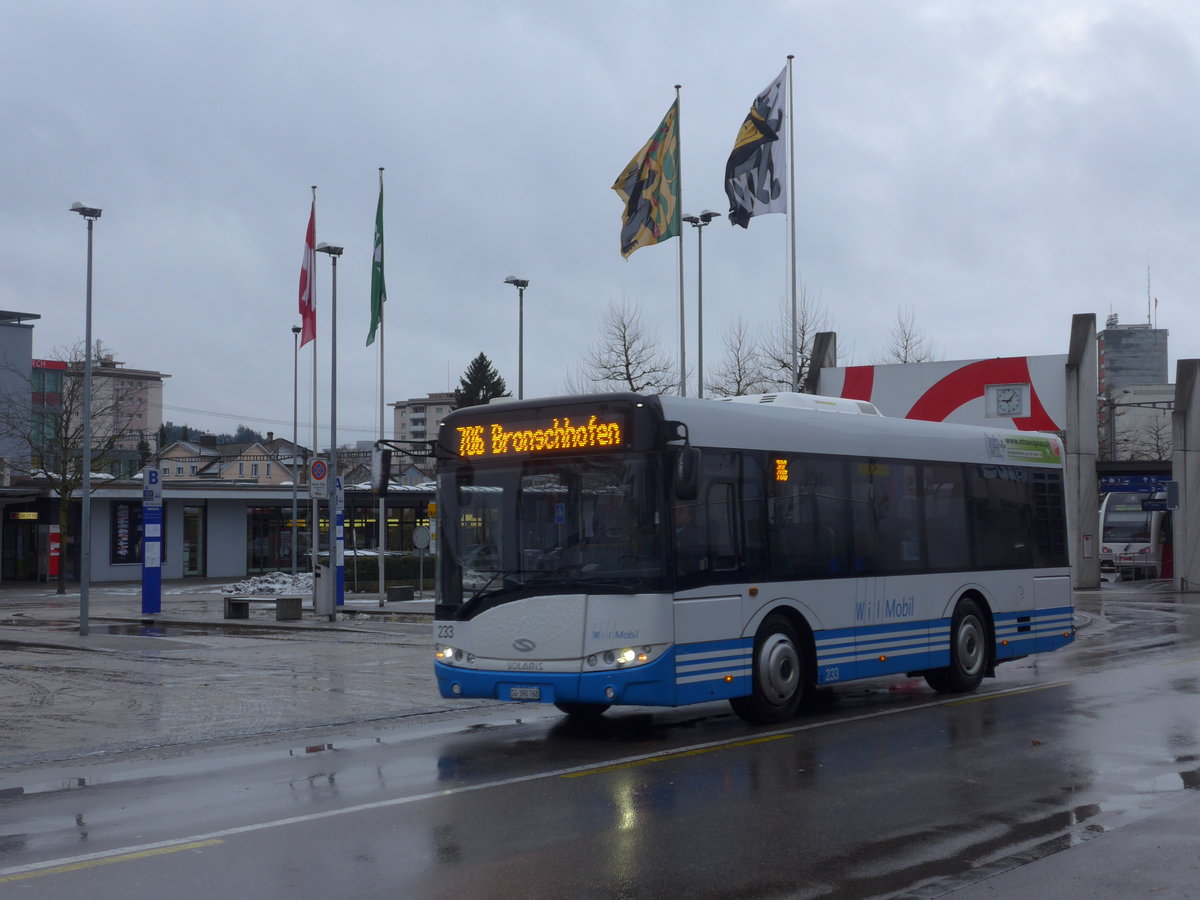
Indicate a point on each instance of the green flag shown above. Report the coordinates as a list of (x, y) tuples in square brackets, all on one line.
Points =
[(378, 291), (649, 185)]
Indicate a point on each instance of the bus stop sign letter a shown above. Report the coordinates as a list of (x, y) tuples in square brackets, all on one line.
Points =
[(318, 479)]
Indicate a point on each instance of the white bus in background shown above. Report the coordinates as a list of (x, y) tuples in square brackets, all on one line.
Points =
[(1135, 530), (654, 550)]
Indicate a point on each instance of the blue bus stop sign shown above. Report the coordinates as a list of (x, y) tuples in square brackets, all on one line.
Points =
[(152, 519)]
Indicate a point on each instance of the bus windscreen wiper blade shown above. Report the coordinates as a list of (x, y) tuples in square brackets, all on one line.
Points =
[(507, 574)]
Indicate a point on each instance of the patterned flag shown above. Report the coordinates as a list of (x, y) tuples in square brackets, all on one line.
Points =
[(378, 290), (649, 185), (756, 174), (308, 271)]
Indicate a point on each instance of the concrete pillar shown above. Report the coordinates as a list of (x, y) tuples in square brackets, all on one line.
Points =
[(824, 356), (1185, 469), (1082, 445)]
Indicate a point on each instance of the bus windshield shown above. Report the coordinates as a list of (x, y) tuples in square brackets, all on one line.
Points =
[(523, 527)]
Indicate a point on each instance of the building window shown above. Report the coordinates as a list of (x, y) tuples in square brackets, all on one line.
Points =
[(192, 468), (179, 468), (268, 470), (253, 470), (241, 470)]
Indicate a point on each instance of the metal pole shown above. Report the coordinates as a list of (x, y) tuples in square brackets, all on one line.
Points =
[(792, 225), (314, 525), (334, 524), (381, 521), (678, 212), (295, 437), (698, 222), (699, 310), (521, 342), (1112, 426), (85, 526)]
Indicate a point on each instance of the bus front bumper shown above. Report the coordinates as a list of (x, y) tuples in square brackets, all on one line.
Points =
[(652, 684)]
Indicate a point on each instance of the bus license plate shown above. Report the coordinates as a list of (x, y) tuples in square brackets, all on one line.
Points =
[(526, 693)]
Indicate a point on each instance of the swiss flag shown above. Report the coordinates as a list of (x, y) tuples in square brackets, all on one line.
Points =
[(308, 271)]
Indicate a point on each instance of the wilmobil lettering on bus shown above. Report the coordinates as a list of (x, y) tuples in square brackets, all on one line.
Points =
[(885, 609)]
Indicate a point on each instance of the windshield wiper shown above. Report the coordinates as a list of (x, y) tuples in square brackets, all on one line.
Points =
[(504, 573)]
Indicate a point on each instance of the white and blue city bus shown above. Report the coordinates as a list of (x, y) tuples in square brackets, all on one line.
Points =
[(654, 550)]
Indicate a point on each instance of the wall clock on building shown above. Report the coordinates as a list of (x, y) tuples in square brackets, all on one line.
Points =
[(1007, 401)]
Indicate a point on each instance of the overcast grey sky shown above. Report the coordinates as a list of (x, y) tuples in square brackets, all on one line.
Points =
[(995, 167)]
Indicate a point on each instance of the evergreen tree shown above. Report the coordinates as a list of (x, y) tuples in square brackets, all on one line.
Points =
[(479, 384)]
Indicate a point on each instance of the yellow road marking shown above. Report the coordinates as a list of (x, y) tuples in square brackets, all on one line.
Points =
[(107, 860), (667, 757), (1012, 693)]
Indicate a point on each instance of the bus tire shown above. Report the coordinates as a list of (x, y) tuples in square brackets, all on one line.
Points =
[(582, 710), (969, 655), (779, 675)]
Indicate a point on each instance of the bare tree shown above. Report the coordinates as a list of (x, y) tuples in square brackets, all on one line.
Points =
[(775, 354), (1118, 433), (906, 343), (624, 357), (741, 371), (47, 426), (1151, 440)]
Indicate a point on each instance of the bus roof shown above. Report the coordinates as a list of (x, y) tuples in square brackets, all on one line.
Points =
[(817, 427)]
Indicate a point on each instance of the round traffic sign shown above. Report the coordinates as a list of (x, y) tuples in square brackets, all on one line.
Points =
[(319, 470), (420, 537)]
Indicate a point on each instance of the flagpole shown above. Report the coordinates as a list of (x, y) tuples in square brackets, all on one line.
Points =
[(678, 208), (314, 527), (792, 223), (382, 524)]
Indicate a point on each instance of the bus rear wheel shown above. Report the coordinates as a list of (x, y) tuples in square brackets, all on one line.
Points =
[(582, 710), (779, 676), (968, 652)]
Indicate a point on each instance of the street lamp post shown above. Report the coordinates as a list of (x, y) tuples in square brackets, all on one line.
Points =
[(521, 284), (91, 214), (295, 436), (335, 511), (698, 222)]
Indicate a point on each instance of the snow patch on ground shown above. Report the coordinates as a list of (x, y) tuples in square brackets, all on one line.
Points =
[(273, 583)]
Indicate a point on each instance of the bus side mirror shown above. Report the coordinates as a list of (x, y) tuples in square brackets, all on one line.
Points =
[(381, 470), (687, 472)]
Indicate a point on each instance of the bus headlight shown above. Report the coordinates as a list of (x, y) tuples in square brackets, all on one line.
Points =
[(448, 655), (623, 658)]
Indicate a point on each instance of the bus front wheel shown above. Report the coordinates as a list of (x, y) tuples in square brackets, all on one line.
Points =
[(780, 676), (968, 652)]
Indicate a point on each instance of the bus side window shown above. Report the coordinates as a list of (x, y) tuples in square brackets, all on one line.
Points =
[(721, 510), (707, 536), (1000, 527), (946, 532), (808, 517)]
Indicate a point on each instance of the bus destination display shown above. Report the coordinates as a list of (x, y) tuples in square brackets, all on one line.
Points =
[(557, 434)]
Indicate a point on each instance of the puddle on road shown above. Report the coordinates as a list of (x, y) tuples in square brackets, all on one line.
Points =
[(135, 629)]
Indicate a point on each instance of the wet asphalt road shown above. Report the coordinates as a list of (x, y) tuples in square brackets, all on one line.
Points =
[(269, 776)]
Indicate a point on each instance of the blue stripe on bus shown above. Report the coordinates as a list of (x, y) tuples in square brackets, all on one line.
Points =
[(1034, 631), (869, 651), (713, 670), (716, 670)]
